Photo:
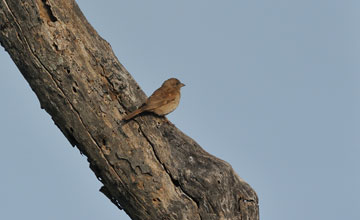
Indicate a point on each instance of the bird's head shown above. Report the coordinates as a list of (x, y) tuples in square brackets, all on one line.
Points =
[(174, 83)]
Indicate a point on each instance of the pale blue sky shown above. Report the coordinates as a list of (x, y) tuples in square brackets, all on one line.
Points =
[(272, 87)]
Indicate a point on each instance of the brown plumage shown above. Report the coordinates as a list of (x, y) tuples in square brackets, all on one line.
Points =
[(163, 101)]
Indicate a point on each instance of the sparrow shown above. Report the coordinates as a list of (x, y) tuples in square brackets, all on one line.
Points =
[(163, 101)]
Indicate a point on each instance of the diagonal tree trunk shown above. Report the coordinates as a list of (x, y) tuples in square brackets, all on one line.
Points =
[(148, 167)]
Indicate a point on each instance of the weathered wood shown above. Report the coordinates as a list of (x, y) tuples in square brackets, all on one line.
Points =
[(148, 167)]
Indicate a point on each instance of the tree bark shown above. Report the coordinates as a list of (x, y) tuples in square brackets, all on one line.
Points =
[(148, 166)]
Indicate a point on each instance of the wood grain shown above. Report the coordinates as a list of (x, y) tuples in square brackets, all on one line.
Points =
[(148, 166)]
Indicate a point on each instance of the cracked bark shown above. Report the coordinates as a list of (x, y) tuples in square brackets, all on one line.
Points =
[(148, 167)]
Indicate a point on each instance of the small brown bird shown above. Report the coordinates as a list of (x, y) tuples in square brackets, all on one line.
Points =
[(163, 101)]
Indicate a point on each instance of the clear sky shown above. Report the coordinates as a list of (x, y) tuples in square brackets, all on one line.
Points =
[(272, 87)]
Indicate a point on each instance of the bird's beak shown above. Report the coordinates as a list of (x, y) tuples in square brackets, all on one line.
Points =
[(182, 84)]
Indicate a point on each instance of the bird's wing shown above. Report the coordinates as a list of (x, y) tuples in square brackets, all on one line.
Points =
[(159, 98)]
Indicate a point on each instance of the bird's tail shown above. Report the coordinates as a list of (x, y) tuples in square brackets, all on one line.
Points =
[(133, 114)]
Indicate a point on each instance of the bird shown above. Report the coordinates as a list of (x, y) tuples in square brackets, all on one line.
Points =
[(163, 101)]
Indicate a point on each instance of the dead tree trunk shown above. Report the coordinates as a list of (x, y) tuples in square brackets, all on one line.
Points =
[(148, 167)]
